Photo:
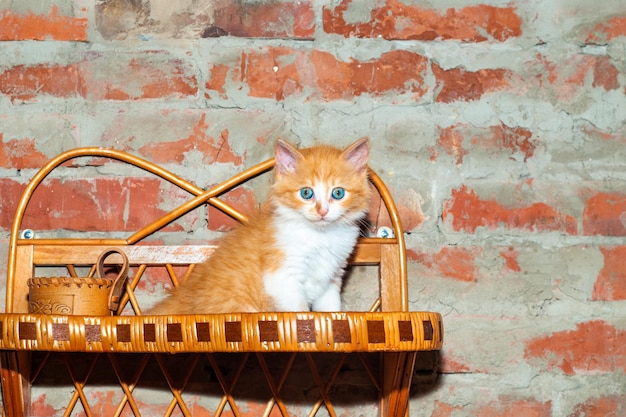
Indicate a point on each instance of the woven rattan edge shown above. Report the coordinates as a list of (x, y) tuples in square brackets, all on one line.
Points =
[(245, 332)]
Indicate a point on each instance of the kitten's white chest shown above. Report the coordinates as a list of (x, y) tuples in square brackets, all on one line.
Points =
[(313, 263)]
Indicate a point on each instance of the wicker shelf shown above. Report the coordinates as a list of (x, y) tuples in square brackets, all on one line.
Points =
[(388, 329)]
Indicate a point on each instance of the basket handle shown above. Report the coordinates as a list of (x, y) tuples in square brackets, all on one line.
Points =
[(119, 284)]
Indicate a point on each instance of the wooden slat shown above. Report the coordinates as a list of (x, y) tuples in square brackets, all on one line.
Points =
[(367, 252), (393, 288), (150, 255), (11, 385), (23, 271)]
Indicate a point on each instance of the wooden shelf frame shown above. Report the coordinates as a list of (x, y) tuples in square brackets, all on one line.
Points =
[(388, 328)]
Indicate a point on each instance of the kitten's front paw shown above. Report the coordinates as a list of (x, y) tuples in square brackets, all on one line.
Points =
[(293, 305), (329, 301)]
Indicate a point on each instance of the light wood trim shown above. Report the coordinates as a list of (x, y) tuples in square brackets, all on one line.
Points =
[(12, 394), (83, 252), (23, 271), (149, 255), (366, 254), (393, 290), (397, 375)]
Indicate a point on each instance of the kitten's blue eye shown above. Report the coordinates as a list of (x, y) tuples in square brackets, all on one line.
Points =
[(338, 193), (306, 193)]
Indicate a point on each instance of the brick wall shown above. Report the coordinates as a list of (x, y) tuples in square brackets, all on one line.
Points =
[(499, 127)]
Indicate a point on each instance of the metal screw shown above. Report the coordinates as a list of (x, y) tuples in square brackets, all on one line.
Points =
[(27, 234), (385, 232)]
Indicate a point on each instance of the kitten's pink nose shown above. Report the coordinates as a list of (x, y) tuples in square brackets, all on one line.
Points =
[(322, 209)]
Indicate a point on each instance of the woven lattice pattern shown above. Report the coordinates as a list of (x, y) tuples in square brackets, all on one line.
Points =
[(197, 384)]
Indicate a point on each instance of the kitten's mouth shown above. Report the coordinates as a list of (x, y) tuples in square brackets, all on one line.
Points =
[(320, 220), (324, 221)]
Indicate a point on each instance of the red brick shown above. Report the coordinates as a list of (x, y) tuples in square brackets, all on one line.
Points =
[(217, 81), (567, 80), (450, 365), (399, 71), (148, 76), (610, 284), (411, 215), (605, 214), (280, 72), (457, 84), (605, 74), (121, 19), (241, 199), (257, 408), (451, 261), (444, 410), (593, 132), (103, 204), (396, 20), (451, 141), (4, 243), (495, 139), (155, 278), (271, 72), (41, 408), (468, 212), (377, 216), (510, 257), (512, 407), (214, 150), (30, 26), (613, 405), (27, 82), (408, 204), (605, 32), (265, 19), (11, 191), (545, 69), (504, 406), (502, 138), (20, 154), (594, 347), (105, 402)]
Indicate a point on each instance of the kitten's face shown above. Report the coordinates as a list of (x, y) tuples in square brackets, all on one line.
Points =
[(322, 185)]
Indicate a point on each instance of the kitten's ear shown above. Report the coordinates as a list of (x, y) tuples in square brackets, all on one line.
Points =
[(286, 157), (357, 154)]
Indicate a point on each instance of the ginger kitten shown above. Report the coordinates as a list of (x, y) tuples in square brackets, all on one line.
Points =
[(291, 255)]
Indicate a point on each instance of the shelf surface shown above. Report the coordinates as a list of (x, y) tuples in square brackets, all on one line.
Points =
[(244, 332)]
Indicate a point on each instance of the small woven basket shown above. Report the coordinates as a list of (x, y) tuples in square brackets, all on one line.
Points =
[(83, 296)]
